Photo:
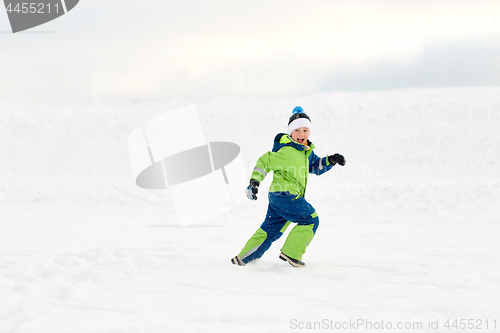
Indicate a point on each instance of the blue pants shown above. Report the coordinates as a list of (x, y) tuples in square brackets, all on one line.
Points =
[(283, 209)]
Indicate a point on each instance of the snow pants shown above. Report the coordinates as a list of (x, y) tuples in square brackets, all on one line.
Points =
[(283, 209)]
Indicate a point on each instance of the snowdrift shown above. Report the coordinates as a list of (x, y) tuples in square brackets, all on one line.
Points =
[(408, 231)]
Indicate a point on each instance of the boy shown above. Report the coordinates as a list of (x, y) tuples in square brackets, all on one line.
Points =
[(291, 160)]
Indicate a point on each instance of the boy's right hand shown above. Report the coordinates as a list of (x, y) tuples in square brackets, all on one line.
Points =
[(252, 189)]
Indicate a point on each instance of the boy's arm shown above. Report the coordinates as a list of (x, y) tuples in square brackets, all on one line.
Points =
[(266, 163), (320, 165)]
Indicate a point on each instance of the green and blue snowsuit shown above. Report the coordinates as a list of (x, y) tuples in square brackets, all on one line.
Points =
[(291, 163)]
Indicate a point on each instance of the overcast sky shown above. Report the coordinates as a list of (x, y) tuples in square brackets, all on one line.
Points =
[(138, 50)]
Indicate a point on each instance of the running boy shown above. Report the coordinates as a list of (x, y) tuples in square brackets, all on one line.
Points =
[(291, 160)]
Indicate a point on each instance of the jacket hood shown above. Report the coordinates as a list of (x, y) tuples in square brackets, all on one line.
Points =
[(282, 140)]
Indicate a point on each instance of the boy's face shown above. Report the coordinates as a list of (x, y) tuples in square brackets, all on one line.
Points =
[(301, 135)]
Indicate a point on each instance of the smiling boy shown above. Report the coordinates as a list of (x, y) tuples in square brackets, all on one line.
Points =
[(291, 160)]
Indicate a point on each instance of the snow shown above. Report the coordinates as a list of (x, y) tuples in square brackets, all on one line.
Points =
[(408, 232)]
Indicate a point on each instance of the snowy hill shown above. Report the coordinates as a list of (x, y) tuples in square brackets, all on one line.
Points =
[(408, 232)]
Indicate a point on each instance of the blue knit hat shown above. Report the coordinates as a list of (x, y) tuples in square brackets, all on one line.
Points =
[(298, 119)]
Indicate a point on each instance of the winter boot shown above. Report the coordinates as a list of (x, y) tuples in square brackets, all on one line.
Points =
[(237, 261), (291, 261)]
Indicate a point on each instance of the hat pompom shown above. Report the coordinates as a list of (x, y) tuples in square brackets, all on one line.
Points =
[(298, 109)]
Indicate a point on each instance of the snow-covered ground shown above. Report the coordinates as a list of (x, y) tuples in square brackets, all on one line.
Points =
[(409, 228)]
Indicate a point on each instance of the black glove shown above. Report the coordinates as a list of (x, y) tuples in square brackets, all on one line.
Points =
[(337, 158), (252, 189)]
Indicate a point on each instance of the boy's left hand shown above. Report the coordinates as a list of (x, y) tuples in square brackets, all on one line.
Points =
[(337, 158)]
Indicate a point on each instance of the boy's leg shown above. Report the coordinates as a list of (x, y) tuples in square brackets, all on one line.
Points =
[(297, 209), (271, 229), (298, 239)]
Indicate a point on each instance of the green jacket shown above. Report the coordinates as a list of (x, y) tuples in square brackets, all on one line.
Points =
[(291, 162)]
